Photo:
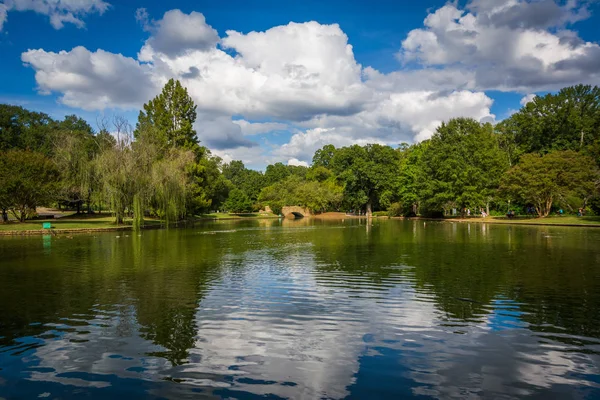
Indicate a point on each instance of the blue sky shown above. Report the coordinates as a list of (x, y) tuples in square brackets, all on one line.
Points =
[(267, 90)]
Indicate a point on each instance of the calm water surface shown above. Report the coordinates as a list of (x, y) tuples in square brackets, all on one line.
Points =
[(304, 310)]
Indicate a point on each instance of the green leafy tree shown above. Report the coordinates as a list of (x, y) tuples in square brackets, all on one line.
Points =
[(324, 156), (294, 191), (410, 179), (544, 179), (461, 166), (249, 181), (238, 202), (25, 130), (169, 118), (319, 174), (27, 180), (209, 188), (369, 175), (276, 172), (569, 119), (74, 150), (170, 183)]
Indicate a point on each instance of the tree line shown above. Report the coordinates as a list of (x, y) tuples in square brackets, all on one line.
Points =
[(543, 157)]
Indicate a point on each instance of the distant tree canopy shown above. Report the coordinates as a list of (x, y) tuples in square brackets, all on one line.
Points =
[(567, 120), (546, 155)]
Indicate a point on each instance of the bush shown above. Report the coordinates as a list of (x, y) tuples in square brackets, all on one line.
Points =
[(380, 214), (594, 205), (395, 210)]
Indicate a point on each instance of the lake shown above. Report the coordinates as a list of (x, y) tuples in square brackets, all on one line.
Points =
[(303, 309)]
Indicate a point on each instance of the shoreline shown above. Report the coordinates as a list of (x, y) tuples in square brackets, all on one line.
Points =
[(59, 231), (532, 222), (122, 228)]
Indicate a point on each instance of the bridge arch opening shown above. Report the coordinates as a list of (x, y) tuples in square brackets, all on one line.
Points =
[(296, 215)]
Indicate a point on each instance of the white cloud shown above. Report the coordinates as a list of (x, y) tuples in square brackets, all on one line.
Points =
[(507, 45), (177, 33), (92, 80), (290, 72), (59, 11), (305, 76), (253, 157), (527, 99), (303, 145), (297, 163)]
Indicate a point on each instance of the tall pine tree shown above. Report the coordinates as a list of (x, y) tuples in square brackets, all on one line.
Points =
[(169, 118)]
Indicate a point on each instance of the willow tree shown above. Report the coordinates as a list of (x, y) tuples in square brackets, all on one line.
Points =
[(115, 169), (120, 174), (170, 183)]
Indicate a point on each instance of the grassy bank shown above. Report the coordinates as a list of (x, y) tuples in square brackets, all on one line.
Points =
[(90, 223), (70, 223), (566, 220)]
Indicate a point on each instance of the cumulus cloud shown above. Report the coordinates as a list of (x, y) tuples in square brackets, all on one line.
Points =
[(291, 72), (303, 78), (59, 11), (177, 33), (509, 44), (92, 80), (303, 145)]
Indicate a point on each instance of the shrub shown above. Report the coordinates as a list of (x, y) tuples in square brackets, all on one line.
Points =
[(395, 210)]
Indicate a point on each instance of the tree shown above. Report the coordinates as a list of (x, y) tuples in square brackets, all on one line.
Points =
[(27, 180), (410, 179), (170, 183), (569, 119), (249, 181), (368, 174), (276, 173), (319, 174), (294, 191), (324, 156), (123, 169), (238, 202), (461, 166), (544, 179), (25, 130), (74, 149), (209, 188), (170, 117)]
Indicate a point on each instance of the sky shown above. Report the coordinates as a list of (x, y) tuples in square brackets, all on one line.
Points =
[(274, 81)]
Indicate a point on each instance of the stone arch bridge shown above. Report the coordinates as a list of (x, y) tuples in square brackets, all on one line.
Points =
[(295, 212)]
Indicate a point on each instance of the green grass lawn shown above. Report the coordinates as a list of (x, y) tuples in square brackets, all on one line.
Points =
[(551, 220), (71, 222)]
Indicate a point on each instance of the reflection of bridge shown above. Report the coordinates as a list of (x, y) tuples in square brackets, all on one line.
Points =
[(295, 212)]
